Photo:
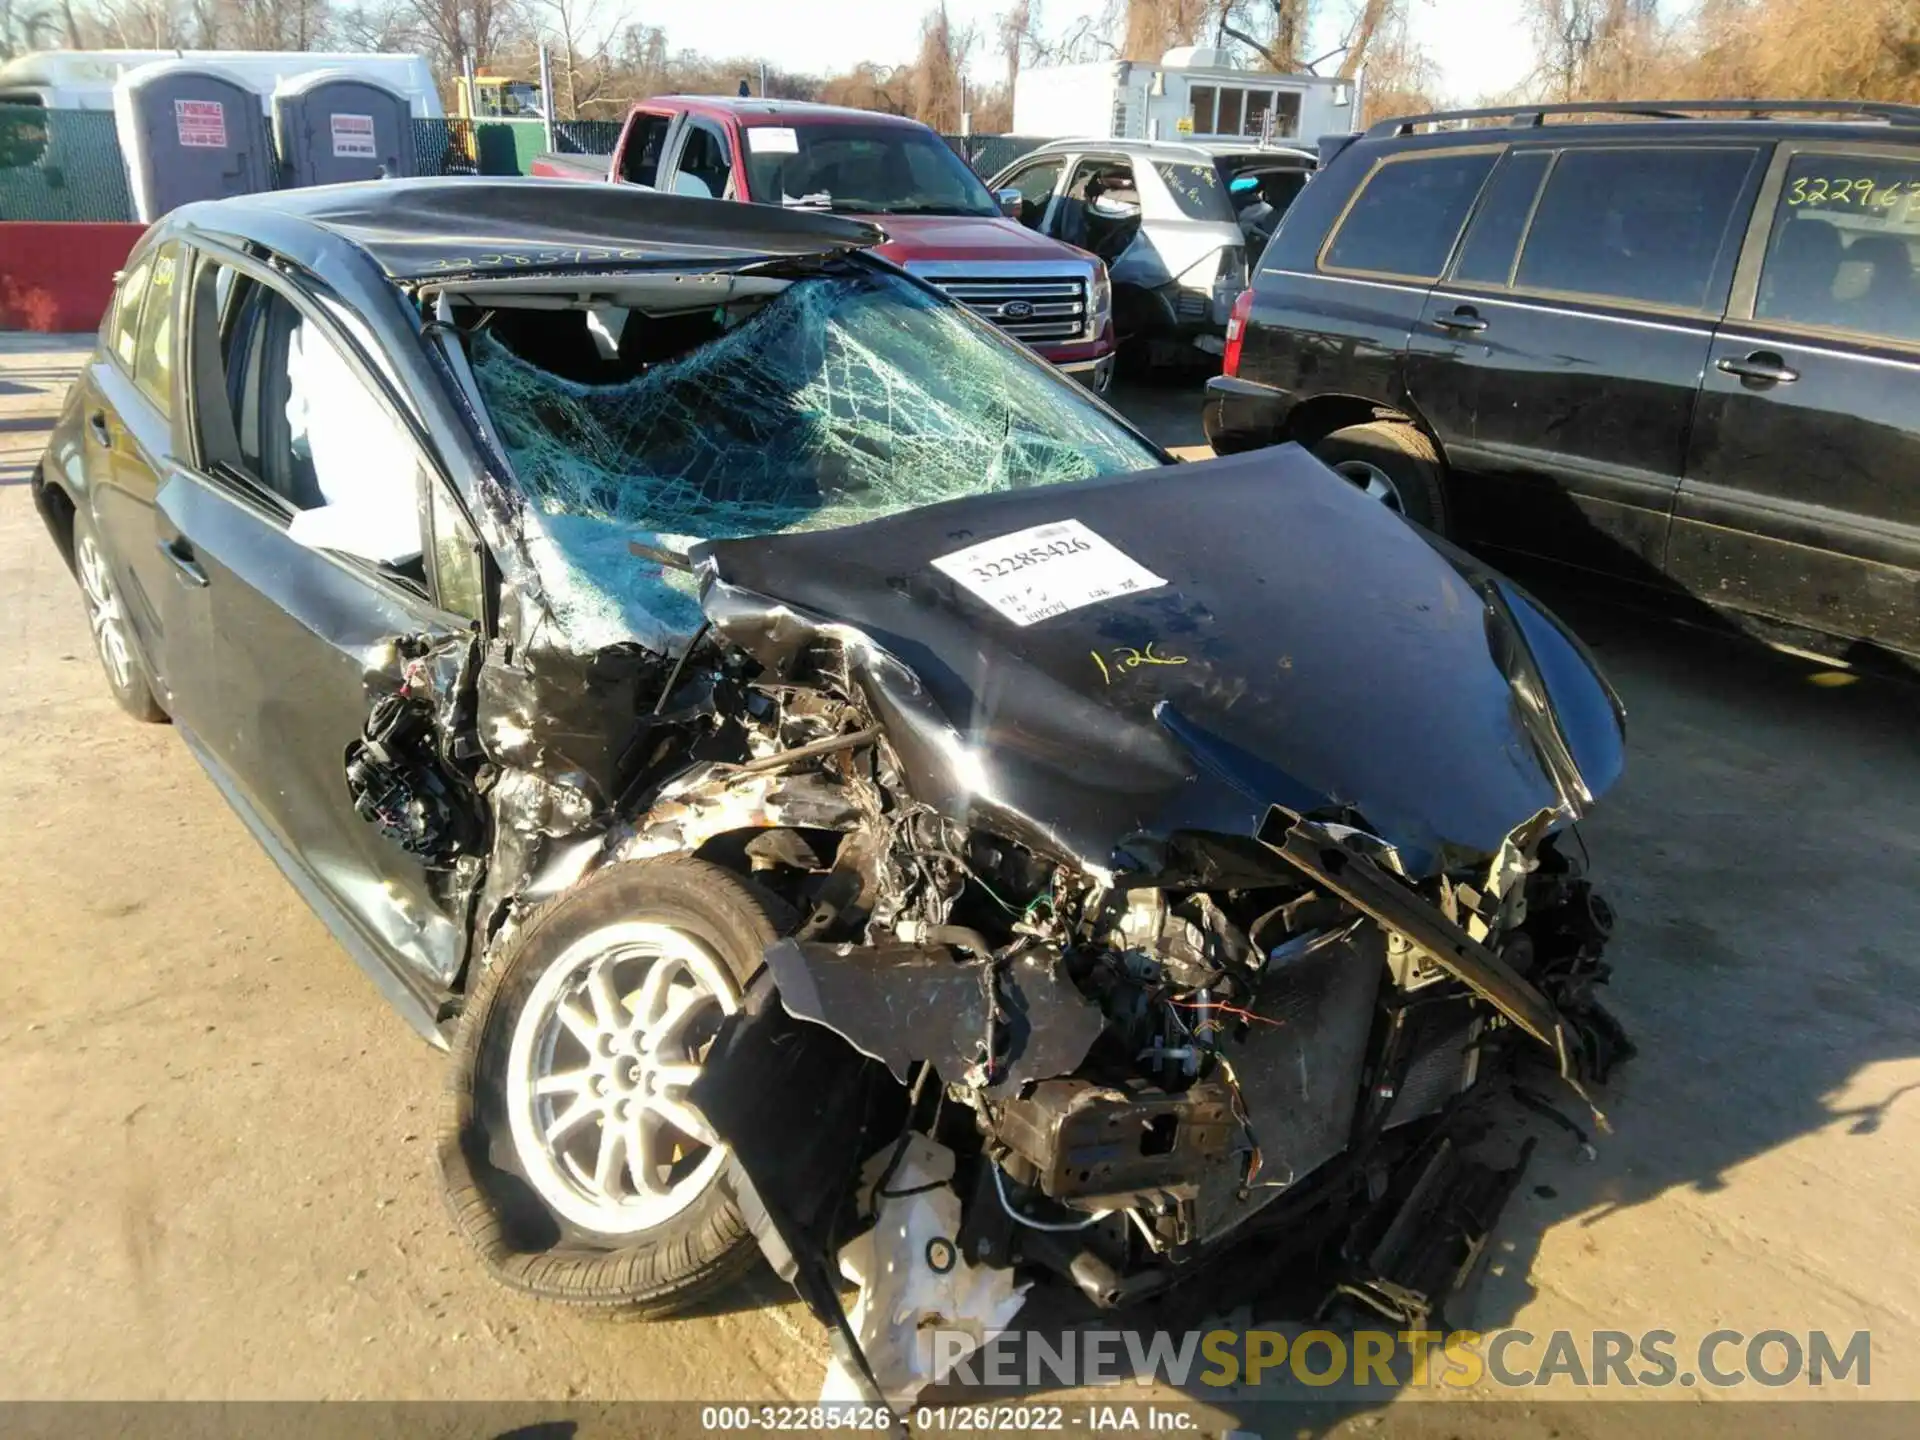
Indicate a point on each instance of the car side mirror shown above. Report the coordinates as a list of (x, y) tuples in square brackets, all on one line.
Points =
[(1009, 203)]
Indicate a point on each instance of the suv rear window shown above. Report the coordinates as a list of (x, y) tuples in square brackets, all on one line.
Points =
[(1845, 249), (1408, 214), (1645, 225)]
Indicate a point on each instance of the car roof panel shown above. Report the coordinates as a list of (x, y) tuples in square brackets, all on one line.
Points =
[(423, 229)]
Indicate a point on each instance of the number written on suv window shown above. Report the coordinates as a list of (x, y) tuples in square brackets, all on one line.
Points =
[(1842, 253)]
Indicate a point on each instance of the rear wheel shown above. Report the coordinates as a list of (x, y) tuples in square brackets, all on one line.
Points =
[(574, 1161), (1393, 463), (113, 640)]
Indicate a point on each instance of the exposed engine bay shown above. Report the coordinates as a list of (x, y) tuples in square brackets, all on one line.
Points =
[(1118, 929)]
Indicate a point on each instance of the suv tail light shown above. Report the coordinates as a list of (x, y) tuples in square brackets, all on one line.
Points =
[(1236, 332)]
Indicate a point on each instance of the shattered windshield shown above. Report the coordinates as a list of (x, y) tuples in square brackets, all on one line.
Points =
[(843, 398), (862, 170)]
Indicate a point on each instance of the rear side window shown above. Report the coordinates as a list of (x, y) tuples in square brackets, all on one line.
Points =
[(640, 161), (1196, 190), (1408, 214), (126, 312), (1487, 257), (1844, 253), (1640, 225), (153, 362)]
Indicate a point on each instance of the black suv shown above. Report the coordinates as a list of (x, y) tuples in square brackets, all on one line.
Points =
[(1679, 346)]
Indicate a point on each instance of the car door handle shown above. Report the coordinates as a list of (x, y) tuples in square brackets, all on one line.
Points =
[(1465, 319), (97, 422), (1763, 366), (179, 554)]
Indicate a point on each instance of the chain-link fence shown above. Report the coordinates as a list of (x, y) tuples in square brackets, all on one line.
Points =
[(61, 165), (990, 154), (67, 164)]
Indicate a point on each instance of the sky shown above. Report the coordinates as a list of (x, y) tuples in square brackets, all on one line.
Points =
[(1481, 46)]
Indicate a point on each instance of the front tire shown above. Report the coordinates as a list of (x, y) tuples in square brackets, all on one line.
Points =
[(113, 641), (572, 1160), (1393, 463)]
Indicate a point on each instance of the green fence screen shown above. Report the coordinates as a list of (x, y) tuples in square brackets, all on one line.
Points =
[(61, 165)]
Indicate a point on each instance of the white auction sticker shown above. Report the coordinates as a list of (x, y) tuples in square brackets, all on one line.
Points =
[(773, 140), (353, 137), (1047, 570)]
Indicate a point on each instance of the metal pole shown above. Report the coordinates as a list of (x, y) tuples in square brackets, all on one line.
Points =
[(763, 79), (546, 96)]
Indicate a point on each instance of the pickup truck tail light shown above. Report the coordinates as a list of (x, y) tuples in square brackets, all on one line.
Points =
[(1236, 332)]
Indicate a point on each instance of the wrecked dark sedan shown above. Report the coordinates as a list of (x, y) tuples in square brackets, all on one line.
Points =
[(839, 791)]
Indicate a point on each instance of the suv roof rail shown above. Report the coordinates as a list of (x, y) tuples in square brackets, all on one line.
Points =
[(1522, 116)]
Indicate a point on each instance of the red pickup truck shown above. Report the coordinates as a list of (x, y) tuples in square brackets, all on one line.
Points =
[(942, 223)]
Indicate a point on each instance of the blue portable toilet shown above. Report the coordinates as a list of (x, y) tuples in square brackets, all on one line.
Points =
[(332, 126), (189, 132)]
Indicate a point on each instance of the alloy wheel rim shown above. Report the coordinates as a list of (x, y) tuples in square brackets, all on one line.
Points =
[(1372, 482), (598, 1068), (104, 614)]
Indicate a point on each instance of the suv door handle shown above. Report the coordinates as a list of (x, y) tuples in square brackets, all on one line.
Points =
[(1764, 367), (1464, 318), (179, 554), (97, 422)]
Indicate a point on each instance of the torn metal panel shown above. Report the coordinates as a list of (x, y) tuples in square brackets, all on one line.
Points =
[(902, 1004), (1299, 1074), (1355, 879)]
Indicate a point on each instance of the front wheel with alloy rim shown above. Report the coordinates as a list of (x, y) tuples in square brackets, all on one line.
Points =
[(573, 1160), (1392, 463), (113, 642)]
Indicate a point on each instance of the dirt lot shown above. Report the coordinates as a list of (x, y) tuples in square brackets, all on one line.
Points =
[(219, 1179)]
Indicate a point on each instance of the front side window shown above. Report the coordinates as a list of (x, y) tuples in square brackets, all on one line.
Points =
[(1408, 214), (863, 170), (1844, 252), (153, 360), (1644, 225), (1036, 185), (303, 429), (704, 164)]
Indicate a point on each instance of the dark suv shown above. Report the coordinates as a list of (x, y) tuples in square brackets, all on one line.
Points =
[(1680, 346)]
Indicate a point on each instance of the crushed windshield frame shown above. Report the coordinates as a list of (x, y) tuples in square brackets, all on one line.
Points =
[(768, 425)]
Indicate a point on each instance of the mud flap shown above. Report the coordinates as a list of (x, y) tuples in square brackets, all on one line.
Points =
[(1426, 1238), (767, 1079)]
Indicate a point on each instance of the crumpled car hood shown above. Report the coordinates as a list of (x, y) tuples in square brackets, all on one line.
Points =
[(1308, 649)]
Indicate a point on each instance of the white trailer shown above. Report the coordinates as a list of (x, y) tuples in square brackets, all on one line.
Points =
[(1192, 94)]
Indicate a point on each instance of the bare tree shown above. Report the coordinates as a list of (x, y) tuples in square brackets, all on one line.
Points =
[(1373, 14), (1154, 27), (939, 71), (1012, 30), (1275, 30)]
